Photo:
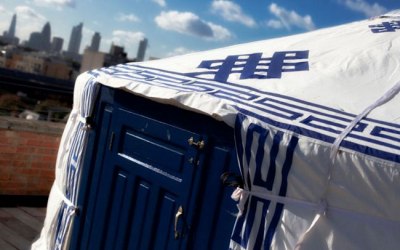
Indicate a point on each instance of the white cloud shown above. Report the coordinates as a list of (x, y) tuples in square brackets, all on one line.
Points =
[(232, 12), (190, 24), (288, 19), (127, 39), (56, 3), (5, 19), (275, 24), (87, 35), (28, 21), (179, 51), (127, 18), (124, 38), (362, 6), (162, 3)]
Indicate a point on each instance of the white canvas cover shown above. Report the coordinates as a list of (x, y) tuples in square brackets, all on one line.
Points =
[(317, 131)]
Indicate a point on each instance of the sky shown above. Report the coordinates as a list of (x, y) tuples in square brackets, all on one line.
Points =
[(175, 27)]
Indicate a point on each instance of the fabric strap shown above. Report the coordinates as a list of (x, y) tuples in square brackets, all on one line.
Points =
[(382, 100)]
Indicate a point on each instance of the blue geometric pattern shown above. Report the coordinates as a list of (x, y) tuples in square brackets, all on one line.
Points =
[(254, 66), (74, 164), (372, 137), (385, 27), (249, 232)]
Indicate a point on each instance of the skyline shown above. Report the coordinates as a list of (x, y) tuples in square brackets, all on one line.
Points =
[(175, 27)]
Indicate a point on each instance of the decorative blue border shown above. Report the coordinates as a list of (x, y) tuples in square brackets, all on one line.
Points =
[(372, 137)]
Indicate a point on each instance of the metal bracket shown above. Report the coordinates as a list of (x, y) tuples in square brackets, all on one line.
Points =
[(199, 144)]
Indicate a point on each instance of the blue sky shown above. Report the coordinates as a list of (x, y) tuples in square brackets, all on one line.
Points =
[(181, 26)]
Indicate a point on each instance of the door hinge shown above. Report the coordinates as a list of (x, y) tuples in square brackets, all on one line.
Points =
[(198, 144)]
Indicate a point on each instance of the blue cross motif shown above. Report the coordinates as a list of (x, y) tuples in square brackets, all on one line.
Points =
[(254, 66), (385, 27)]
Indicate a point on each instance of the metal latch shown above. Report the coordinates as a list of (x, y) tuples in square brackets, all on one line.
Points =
[(178, 216), (199, 144)]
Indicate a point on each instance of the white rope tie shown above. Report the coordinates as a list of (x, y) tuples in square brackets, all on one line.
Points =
[(67, 201), (321, 208), (382, 100)]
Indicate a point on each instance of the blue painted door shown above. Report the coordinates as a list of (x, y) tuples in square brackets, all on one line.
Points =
[(153, 179), (146, 185)]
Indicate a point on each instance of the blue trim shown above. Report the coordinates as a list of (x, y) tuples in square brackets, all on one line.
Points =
[(239, 146), (282, 192), (247, 88), (250, 220), (260, 234), (263, 134), (237, 230), (273, 225), (360, 127), (377, 131), (272, 164), (239, 94), (329, 139)]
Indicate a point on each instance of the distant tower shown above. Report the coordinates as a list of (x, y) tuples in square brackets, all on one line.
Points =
[(95, 42), (9, 36), (46, 36), (41, 41), (141, 50), (75, 39), (11, 30), (35, 41), (57, 44)]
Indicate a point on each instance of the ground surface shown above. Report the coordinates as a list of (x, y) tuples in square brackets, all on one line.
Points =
[(20, 226)]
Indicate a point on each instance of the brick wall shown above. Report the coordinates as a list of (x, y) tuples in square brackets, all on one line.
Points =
[(28, 152)]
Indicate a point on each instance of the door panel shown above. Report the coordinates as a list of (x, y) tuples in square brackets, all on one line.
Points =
[(146, 159), (142, 169)]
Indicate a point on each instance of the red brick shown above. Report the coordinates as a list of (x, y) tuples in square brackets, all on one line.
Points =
[(28, 135), (27, 162), (8, 149), (21, 149), (24, 163), (47, 151), (4, 163), (43, 165), (47, 174), (4, 175), (7, 156)]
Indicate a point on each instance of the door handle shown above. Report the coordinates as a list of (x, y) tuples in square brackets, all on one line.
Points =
[(178, 215)]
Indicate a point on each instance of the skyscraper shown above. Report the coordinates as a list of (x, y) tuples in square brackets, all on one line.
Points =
[(141, 50), (35, 41), (41, 40), (46, 36), (75, 39), (9, 36), (11, 29), (57, 44), (95, 45)]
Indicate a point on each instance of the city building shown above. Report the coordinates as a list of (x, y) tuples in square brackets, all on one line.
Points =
[(59, 69), (41, 40), (141, 50), (13, 25), (92, 60), (9, 36), (46, 37), (75, 39), (35, 41), (28, 62), (56, 45), (95, 45)]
